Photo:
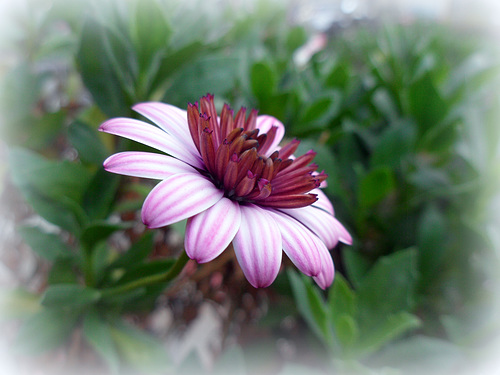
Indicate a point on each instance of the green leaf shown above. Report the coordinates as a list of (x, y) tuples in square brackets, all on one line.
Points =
[(99, 197), (47, 245), (432, 234), (317, 110), (44, 331), (263, 81), (69, 296), (295, 38), (389, 329), (139, 349), (311, 306), (98, 231), (87, 143), (346, 330), (101, 73), (394, 145), (175, 61), (341, 298), (63, 272), (215, 73), (97, 332), (136, 253), (150, 32), (53, 179), (388, 288), (427, 105), (375, 186)]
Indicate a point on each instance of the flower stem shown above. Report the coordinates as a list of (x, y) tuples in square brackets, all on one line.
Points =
[(169, 275)]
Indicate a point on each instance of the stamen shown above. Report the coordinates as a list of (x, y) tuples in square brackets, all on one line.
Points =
[(193, 116)]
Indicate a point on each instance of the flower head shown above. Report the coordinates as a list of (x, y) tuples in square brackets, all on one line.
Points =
[(227, 175)]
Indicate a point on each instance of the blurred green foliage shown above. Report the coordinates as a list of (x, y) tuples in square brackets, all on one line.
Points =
[(405, 122)]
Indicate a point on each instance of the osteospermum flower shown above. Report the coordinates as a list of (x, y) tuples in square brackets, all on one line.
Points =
[(228, 177)]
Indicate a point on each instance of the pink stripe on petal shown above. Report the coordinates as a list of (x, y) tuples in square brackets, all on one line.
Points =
[(152, 136), (211, 231), (177, 198), (257, 246), (264, 123), (146, 165), (323, 202), (298, 244), (171, 119), (320, 222), (327, 274)]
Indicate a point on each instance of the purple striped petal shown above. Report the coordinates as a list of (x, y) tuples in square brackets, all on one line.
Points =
[(327, 274), (146, 165), (177, 198), (298, 244), (210, 232), (320, 222), (323, 202), (152, 136), (264, 123), (257, 246), (171, 119)]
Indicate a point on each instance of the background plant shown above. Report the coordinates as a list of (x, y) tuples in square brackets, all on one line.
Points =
[(405, 122)]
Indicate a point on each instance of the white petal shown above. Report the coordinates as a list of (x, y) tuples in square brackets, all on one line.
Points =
[(177, 198), (264, 124), (152, 136), (320, 222), (257, 246), (298, 244), (323, 201), (327, 274), (170, 118), (146, 165), (210, 232)]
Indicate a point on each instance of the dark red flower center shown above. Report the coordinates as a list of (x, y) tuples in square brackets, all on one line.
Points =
[(234, 154)]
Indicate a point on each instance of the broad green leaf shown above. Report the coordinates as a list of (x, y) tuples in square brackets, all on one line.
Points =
[(100, 72), (53, 179), (69, 296), (136, 253), (173, 62), (295, 38), (47, 245), (97, 332), (339, 76), (392, 327), (432, 234), (215, 73), (63, 272), (87, 142), (137, 271), (44, 331), (341, 298), (263, 80), (346, 331), (388, 288), (427, 105), (64, 213), (316, 110), (394, 145), (150, 33), (139, 349), (100, 195), (98, 231), (376, 185), (311, 306)]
